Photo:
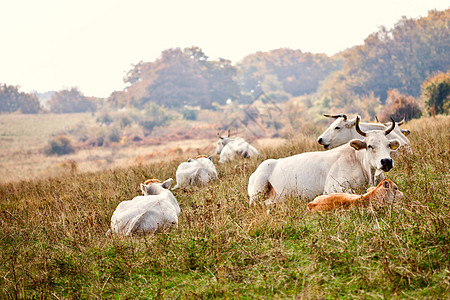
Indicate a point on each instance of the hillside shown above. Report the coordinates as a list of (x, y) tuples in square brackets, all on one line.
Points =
[(53, 241)]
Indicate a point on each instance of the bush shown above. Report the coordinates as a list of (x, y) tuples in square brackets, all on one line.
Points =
[(436, 94), (60, 145), (189, 114), (400, 106), (104, 118)]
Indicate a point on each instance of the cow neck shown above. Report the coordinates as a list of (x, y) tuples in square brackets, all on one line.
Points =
[(369, 196), (367, 169)]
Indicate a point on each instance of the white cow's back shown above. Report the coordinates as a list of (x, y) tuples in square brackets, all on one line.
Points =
[(195, 172), (235, 148), (145, 214)]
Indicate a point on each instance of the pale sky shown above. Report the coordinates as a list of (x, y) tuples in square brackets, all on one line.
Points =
[(91, 44)]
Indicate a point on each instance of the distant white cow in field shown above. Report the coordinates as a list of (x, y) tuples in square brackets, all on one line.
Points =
[(342, 131), (196, 171), (342, 169), (156, 209), (229, 149), (385, 192)]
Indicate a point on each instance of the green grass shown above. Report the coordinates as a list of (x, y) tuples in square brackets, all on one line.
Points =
[(53, 242)]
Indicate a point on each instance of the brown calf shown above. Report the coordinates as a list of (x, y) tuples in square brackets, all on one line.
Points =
[(385, 192)]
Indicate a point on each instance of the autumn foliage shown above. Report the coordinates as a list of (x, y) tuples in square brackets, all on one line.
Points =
[(400, 106), (436, 93)]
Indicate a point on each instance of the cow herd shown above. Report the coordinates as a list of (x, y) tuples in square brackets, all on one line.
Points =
[(359, 155)]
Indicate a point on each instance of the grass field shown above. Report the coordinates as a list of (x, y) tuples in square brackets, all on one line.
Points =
[(53, 242), (23, 139)]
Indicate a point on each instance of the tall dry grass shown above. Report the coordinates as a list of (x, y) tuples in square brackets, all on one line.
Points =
[(53, 242)]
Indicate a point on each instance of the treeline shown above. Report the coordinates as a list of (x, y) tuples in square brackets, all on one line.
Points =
[(393, 68)]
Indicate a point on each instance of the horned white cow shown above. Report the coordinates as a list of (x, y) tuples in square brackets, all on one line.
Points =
[(196, 171), (385, 192), (341, 169), (342, 131), (156, 209), (229, 149)]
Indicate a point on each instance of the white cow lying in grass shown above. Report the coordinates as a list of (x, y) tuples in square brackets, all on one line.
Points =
[(196, 171), (229, 149), (156, 209), (385, 192)]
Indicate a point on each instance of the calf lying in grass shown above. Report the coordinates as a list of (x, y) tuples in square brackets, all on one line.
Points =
[(156, 209), (385, 192)]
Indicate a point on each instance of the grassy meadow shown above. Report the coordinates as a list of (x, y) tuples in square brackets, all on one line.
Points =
[(23, 139), (53, 242)]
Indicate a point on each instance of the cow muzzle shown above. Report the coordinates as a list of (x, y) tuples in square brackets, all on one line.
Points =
[(387, 164), (320, 141)]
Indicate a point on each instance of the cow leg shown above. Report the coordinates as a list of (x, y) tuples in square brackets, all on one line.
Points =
[(270, 194)]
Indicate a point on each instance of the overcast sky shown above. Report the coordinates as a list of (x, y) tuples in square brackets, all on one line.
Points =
[(91, 44)]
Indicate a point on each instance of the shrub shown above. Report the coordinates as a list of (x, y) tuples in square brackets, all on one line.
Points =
[(189, 114), (400, 106), (436, 94), (59, 145)]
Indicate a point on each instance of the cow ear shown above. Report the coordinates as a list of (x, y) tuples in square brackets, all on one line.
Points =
[(166, 184), (143, 189), (210, 157), (386, 184), (358, 144), (190, 160), (394, 144)]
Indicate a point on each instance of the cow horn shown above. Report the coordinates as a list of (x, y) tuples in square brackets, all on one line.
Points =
[(392, 127), (358, 130), (336, 116)]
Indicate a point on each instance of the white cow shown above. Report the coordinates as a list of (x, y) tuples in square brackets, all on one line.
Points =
[(196, 171), (342, 131), (341, 169), (229, 149), (156, 209)]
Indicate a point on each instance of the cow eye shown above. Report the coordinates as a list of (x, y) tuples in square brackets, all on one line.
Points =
[(370, 147), (337, 128)]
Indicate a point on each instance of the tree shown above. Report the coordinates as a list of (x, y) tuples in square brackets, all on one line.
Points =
[(400, 106), (71, 101), (11, 100), (179, 77), (436, 93), (401, 58), (221, 76), (299, 73), (178, 81)]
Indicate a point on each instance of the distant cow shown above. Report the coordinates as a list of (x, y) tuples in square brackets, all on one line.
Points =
[(342, 131), (196, 171), (342, 169), (156, 209), (229, 149), (385, 192)]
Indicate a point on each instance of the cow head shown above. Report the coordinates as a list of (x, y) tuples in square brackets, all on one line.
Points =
[(386, 192), (378, 147), (200, 157), (338, 133), (155, 187), (223, 140)]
